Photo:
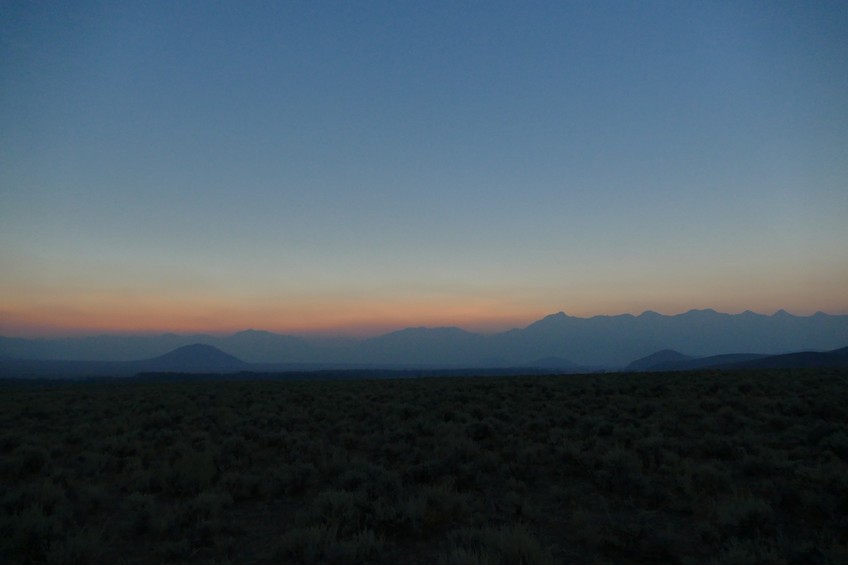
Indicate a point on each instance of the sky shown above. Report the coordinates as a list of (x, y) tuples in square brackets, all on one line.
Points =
[(356, 167)]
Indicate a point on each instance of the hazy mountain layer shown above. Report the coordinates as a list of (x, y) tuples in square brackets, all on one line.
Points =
[(600, 341)]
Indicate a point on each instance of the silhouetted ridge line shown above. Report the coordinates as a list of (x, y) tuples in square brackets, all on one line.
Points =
[(604, 342)]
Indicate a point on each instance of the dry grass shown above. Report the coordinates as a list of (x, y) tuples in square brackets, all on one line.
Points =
[(701, 467)]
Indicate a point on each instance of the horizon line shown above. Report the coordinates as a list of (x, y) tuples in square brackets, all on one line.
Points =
[(362, 331)]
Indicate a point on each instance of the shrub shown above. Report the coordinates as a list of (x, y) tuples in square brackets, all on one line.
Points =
[(743, 552), (241, 486), (621, 472), (743, 516), (32, 533), (506, 545), (31, 460), (435, 507), (75, 548), (292, 479), (142, 512), (346, 511), (192, 473)]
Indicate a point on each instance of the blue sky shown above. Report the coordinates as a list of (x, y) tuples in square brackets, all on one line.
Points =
[(354, 167)]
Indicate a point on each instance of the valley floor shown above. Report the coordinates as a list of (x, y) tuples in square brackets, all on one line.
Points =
[(628, 468)]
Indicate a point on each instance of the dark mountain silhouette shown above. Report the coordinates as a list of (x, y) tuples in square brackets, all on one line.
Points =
[(733, 361), (697, 363), (800, 360), (666, 356), (195, 358)]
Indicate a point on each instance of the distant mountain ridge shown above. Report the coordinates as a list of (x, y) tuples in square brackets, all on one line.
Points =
[(205, 362), (600, 342)]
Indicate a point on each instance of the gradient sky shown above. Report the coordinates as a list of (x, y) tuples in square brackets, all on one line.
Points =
[(356, 167)]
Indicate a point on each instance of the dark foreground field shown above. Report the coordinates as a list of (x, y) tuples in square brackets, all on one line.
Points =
[(696, 467)]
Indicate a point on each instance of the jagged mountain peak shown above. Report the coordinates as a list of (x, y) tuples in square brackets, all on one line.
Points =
[(600, 341), (551, 320), (650, 314)]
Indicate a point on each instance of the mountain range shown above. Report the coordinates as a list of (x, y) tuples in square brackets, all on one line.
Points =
[(567, 342)]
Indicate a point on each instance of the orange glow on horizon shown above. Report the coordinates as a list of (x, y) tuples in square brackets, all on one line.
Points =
[(310, 318), (317, 318), (29, 312)]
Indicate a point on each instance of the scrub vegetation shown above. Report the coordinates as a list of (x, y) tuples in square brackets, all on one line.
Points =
[(626, 468)]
